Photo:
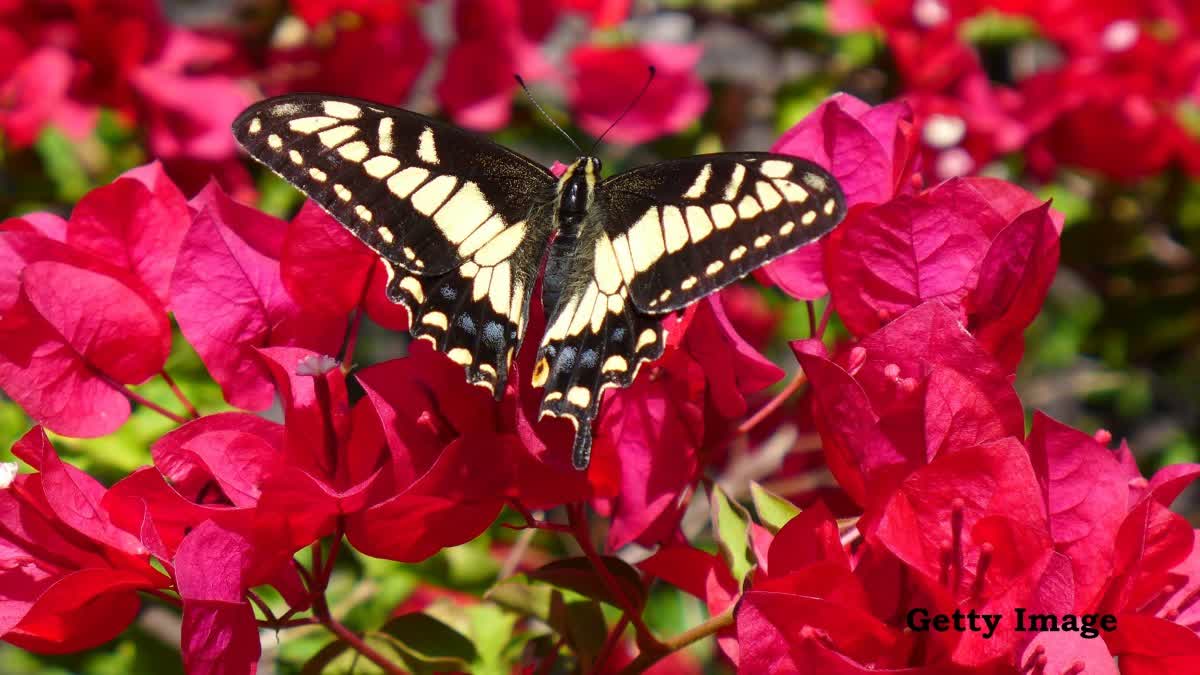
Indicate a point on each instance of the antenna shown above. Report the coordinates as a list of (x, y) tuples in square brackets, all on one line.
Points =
[(626, 110), (547, 115)]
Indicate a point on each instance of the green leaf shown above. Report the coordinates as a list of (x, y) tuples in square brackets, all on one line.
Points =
[(491, 629), (730, 523), (428, 645), (577, 574), (773, 511), (519, 595), (63, 164), (581, 624)]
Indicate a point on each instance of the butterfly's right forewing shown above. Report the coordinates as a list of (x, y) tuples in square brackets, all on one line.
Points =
[(461, 222)]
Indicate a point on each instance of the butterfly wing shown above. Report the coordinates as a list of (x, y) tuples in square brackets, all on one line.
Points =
[(683, 229), (658, 239), (460, 221), (595, 339)]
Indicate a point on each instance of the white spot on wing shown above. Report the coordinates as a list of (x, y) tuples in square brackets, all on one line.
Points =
[(775, 168), (341, 109), (606, 268), (386, 235), (500, 288), (502, 245), (462, 213), (342, 191), (426, 149), (413, 286), (308, 125), (748, 207), (275, 142), (624, 257), (700, 185), (579, 396), (723, 216), (355, 152), (296, 157), (381, 166), (482, 235), (768, 195), (435, 319), (337, 135), (698, 222), (255, 125), (385, 135), (317, 174), (403, 183), (674, 229), (791, 192), (432, 194), (646, 240), (735, 182)]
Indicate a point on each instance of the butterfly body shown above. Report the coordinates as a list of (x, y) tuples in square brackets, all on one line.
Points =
[(465, 225)]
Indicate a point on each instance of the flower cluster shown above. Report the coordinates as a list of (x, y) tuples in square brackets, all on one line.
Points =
[(953, 505), (1109, 86), (65, 61)]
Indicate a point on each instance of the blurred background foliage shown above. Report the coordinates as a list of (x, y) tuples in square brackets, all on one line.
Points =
[(1116, 347)]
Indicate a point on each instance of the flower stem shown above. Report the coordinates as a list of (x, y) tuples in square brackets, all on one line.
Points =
[(792, 387), (179, 394), (610, 643), (142, 400), (578, 520), (320, 605), (351, 340), (647, 658)]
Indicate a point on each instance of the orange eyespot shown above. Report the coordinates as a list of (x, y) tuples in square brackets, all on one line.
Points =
[(540, 372)]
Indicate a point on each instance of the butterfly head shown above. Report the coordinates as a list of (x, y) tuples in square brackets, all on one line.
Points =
[(576, 187)]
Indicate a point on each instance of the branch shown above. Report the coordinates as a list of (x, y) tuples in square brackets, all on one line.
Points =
[(647, 658), (576, 516), (179, 394)]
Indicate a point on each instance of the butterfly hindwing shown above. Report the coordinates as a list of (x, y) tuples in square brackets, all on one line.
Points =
[(595, 339), (683, 229), (461, 222), (423, 194)]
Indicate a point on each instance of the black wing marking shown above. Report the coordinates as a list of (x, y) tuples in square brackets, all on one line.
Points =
[(683, 229), (477, 313), (595, 339), (421, 193), (460, 221)]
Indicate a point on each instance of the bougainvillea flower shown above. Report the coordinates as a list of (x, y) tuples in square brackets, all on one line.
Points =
[(607, 78), (907, 393), (35, 94), (497, 38), (219, 633), (71, 575), (332, 60), (869, 150), (983, 248), (228, 298), (137, 222), (331, 273), (76, 329)]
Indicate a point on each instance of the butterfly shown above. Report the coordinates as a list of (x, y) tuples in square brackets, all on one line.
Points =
[(464, 225)]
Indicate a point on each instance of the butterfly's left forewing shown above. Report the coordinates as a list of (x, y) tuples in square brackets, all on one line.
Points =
[(460, 221)]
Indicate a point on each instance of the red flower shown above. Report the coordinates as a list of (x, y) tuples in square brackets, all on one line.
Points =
[(85, 317), (981, 247), (329, 272), (497, 38), (228, 298), (869, 150), (70, 575), (607, 78), (339, 61)]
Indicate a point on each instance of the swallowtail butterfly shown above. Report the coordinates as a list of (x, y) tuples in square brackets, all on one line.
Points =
[(464, 225)]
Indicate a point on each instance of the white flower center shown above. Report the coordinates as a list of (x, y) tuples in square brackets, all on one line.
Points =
[(1120, 35), (930, 13), (943, 131)]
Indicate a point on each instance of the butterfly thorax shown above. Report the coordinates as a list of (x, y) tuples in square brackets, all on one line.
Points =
[(576, 193)]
